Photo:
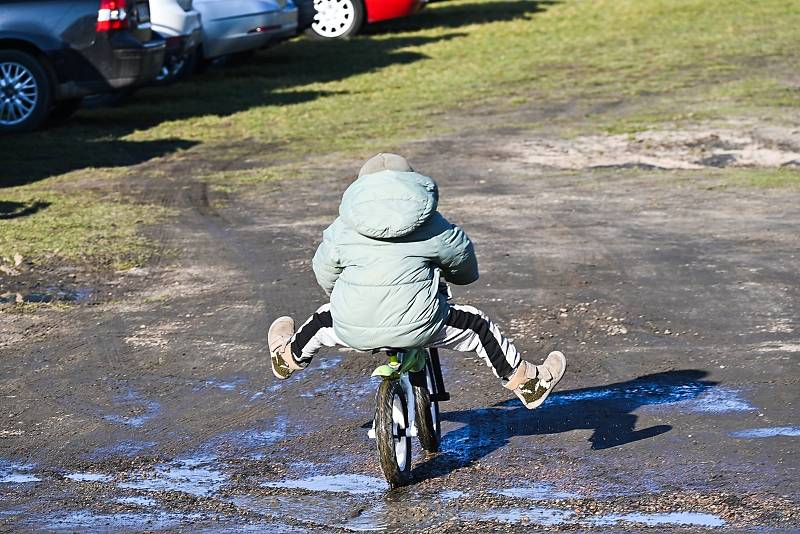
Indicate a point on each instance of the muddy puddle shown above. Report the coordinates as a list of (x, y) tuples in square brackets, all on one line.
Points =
[(147, 499), (199, 476), (50, 294), (770, 432), (230, 484), (134, 409), (17, 473)]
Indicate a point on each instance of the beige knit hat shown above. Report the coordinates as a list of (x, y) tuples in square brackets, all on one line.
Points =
[(385, 161)]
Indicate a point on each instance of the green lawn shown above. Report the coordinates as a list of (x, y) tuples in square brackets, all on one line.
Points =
[(679, 59)]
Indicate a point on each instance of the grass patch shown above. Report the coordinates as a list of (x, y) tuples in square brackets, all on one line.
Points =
[(43, 224), (763, 178), (352, 97), (406, 79)]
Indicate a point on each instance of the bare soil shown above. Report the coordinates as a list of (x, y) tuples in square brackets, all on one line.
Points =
[(151, 405)]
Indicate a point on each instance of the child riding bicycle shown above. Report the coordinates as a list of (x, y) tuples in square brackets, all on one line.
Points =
[(381, 262)]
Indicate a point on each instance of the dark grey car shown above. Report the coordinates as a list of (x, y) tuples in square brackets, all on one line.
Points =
[(55, 52)]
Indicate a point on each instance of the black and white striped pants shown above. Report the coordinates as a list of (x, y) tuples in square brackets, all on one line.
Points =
[(467, 329)]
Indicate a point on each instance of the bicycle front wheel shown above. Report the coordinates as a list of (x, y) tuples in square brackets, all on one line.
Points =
[(391, 433)]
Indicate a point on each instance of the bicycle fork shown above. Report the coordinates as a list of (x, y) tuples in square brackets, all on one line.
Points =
[(395, 363)]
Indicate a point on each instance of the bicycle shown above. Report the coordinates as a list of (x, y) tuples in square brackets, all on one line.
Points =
[(410, 374)]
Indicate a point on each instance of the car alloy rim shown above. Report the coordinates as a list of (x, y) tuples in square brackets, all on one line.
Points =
[(334, 17), (19, 93)]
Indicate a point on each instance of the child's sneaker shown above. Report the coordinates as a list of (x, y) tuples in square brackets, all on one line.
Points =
[(278, 337), (533, 383)]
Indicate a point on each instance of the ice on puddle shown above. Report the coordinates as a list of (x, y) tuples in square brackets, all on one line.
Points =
[(88, 477), (770, 432), (355, 484)]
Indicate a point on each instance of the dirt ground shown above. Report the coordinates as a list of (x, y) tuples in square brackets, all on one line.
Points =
[(147, 402)]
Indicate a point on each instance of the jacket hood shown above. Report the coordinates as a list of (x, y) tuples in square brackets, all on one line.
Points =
[(389, 204)]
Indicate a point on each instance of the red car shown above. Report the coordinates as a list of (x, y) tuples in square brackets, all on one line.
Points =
[(344, 18)]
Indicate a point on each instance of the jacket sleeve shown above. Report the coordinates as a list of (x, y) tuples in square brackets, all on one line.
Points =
[(456, 256), (326, 263)]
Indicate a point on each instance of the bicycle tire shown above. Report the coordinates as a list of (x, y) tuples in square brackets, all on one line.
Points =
[(429, 427), (394, 449)]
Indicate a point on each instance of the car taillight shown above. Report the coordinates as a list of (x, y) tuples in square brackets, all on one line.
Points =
[(112, 15)]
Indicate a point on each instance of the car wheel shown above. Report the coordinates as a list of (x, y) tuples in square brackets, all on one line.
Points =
[(25, 94), (337, 19), (176, 68)]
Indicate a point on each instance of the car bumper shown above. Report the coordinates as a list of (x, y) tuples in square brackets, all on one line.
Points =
[(113, 62), (176, 21), (181, 45), (233, 34), (136, 65)]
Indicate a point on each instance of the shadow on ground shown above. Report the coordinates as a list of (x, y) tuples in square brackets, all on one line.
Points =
[(448, 15), (606, 410), (14, 210), (96, 138)]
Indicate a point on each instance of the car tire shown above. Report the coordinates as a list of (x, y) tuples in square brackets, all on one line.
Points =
[(177, 70), (25, 92), (337, 19)]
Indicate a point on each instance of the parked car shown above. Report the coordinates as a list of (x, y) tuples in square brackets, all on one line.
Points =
[(181, 26), (306, 11), (234, 26), (340, 19), (55, 52)]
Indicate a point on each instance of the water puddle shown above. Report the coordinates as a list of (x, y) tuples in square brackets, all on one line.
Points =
[(469, 443), (88, 521), (249, 443), (88, 477), (223, 385), (770, 432), (450, 495), (50, 294), (695, 396), (780, 347), (540, 516), (352, 484), (271, 389), (694, 519), (339, 513), (139, 409), (719, 399), (196, 476), (555, 516), (137, 500), (122, 448), (538, 492), (16, 473), (342, 388), (328, 363)]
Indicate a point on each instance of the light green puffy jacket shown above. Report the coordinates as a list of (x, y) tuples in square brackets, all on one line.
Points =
[(381, 259)]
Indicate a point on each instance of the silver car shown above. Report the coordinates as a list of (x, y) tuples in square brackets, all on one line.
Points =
[(232, 26), (180, 25)]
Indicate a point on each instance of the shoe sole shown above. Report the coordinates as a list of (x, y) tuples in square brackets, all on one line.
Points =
[(272, 355), (274, 371), (538, 402)]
